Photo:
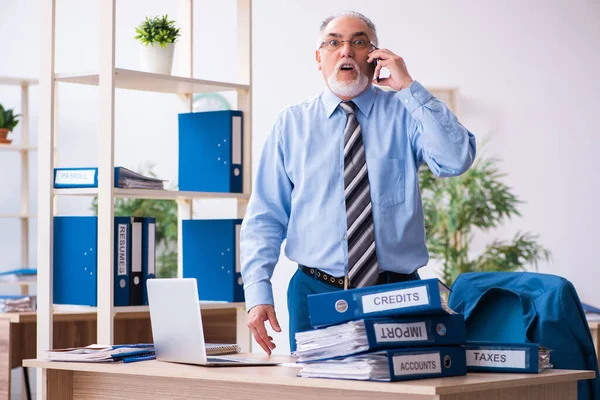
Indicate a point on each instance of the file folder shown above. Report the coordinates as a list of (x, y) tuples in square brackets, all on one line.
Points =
[(392, 365), (380, 333), (507, 357), (422, 297), (75, 260), (136, 295), (149, 254), (210, 151), (211, 255), (88, 178)]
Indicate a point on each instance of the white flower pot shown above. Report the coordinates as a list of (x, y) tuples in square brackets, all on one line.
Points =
[(157, 59)]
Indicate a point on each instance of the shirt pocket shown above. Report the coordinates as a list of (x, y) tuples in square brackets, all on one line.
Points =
[(386, 178)]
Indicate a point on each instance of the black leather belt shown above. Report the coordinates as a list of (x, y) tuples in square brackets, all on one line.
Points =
[(322, 276), (338, 282)]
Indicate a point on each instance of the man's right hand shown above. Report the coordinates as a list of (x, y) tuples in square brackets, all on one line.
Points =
[(256, 322)]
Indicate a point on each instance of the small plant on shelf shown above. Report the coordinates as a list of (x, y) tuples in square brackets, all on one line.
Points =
[(8, 121), (157, 36)]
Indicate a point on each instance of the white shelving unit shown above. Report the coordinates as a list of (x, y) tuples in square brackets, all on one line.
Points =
[(109, 78), (23, 149)]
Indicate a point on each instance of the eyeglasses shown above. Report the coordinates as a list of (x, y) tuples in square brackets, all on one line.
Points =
[(357, 44)]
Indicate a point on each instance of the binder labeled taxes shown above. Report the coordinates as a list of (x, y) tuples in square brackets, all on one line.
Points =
[(380, 333), (507, 357), (422, 297), (392, 365)]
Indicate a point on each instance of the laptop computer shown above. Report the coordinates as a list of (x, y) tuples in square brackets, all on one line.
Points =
[(177, 326)]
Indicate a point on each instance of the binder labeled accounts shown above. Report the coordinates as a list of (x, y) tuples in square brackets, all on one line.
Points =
[(380, 333), (507, 357), (210, 151), (392, 365), (423, 297)]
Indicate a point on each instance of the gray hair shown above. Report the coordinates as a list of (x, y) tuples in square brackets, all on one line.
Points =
[(353, 14)]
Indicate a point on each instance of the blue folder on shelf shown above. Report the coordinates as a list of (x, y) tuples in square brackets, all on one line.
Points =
[(507, 357), (210, 151), (88, 178), (392, 365), (422, 297), (211, 255), (76, 264)]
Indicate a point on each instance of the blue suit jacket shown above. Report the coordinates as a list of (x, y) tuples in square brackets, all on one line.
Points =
[(529, 308)]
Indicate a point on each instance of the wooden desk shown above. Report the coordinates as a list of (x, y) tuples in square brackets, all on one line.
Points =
[(160, 380), (73, 328)]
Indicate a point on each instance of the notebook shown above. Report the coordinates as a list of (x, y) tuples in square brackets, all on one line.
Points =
[(177, 326)]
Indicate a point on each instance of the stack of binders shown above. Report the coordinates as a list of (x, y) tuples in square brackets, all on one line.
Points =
[(391, 332), (75, 260)]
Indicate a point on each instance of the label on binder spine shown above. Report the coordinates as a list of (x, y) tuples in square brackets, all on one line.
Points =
[(496, 358), (395, 299), (75, 177), (417, 364), (122, 249), (400, 332)]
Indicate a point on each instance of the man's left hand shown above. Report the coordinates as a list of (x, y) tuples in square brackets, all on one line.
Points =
[(399, 77)]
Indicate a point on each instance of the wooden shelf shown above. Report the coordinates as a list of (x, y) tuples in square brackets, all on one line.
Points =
[(152, 194), (17, 147), (16, 215), (145, 81), (16, 81)]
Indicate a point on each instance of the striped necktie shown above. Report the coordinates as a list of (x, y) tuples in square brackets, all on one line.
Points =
[(362, 260)]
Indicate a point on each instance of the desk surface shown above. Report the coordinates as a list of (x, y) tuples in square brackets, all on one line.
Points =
[(84, 314), (286, 376)]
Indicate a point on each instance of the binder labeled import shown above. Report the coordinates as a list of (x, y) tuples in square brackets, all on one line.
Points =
[(380, 333), (392, 365), (422, 297), (210, 151), (507, 357)]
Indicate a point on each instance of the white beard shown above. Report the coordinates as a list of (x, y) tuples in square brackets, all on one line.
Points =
[(348, 89)]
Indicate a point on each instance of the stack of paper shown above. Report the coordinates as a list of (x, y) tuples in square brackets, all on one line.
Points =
[(99, 353), (372, 366), (17, 303), (132, 180)]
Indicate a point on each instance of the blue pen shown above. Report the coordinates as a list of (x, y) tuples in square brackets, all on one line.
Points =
[(134, 359)]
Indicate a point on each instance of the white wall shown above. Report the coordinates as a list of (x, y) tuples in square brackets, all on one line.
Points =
[(527, 73)]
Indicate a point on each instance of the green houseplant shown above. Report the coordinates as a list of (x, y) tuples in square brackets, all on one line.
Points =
[(157, 37), (8, 121), (478, 199)]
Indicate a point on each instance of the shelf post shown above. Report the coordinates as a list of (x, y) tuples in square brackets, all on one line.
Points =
[(244, 76), (106, 161), (25, 179), (45, 183)]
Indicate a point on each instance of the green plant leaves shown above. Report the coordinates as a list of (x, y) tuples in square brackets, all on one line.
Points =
[(8, 120), (478, 199), (157, 30)]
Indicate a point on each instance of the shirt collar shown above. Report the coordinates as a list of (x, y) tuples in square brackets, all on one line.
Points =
[(364, 101)]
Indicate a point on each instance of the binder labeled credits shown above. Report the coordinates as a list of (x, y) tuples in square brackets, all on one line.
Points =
[(380, 333), (210, 151), (423, 297), (507, 357), (392, 365)]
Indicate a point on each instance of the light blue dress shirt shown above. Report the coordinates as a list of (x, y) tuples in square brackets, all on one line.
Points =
[(298, 192)]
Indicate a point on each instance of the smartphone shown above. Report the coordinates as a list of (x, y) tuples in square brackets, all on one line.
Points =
[(374, 62)]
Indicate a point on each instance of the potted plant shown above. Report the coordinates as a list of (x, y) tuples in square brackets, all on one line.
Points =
[(8, 121), (477, 200), (157, 37)]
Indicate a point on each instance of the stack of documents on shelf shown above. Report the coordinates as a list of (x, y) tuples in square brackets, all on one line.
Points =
[(507, 357), (390, 332), (88, 178), (99, 354), (17, 303), (19, 275)]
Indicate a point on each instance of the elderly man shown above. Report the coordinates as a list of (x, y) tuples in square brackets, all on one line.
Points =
[(338, 177)]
